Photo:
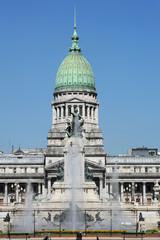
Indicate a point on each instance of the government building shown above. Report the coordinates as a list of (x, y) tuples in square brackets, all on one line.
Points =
[(124, 187)]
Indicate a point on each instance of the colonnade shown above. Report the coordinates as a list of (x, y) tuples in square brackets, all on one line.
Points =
[(63, 111), (128, 190), (15, 191)]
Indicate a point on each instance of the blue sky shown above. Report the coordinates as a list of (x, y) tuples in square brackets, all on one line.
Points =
[(121, 41)]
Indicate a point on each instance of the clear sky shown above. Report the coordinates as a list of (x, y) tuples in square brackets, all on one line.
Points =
[(121, 41)]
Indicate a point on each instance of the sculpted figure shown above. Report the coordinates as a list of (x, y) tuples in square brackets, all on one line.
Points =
[(7, 218), (68, 129), (88, 173), (60, 174), (75, 128), (141, 218), (77, 123)]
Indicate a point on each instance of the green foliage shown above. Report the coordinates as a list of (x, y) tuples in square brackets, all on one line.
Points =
[(74, 232)]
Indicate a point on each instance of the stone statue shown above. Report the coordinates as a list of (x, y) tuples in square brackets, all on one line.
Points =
[(88, 173), (76, 124), (75, 128), (60, 174), (98, 218), (6, 218), (89, 217), (48, 219), (141, 218), (68, 129)]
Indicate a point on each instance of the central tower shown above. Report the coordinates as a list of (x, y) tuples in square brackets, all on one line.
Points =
[(75, 88)]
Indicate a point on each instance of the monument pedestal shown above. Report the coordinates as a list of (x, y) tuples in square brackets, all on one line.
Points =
[(84, 192)]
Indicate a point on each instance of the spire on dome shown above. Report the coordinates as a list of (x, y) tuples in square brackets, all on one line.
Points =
[(75, 32), (75, 37)]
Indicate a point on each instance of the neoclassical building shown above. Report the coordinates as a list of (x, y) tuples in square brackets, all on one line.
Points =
[(132, 179)]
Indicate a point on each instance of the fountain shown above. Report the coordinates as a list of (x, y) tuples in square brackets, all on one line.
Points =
[(24, 222), (75, 191), (74, 170)]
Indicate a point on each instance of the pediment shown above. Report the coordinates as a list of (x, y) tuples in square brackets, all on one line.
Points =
[(75, 100), (91, 164), (53, 166), (94, 166)]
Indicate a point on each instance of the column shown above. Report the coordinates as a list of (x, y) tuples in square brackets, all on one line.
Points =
[(44, 192), (107, 190), (39, 188), (110, 189), (53, 114), (49, 188), (144, 192), (96, 114), (6, 193), (83, 111), (92, 114), (100, 187), (17, 192), (72, 109), (94, 109), (132, 192), (27, 187), (57, 113), (121, 189), (88, 109), (66, 110)]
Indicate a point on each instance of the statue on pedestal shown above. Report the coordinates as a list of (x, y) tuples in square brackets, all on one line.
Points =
[(75, 128)]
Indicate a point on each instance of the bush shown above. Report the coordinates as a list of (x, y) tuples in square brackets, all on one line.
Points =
[(88, 231)]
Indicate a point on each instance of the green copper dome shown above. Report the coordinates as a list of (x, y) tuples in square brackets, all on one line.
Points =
[(75, 72)]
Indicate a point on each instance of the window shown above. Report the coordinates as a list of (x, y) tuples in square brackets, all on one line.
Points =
[(146, 169), (14, 170), (138, 200), (86, 111), (69, 110), (94, 112), (126, 200), (80, 110), (75, 106), (90, 112), (64, 111), (1, 187), (59, 112), (157, 169), (56, 113), (137, 170)]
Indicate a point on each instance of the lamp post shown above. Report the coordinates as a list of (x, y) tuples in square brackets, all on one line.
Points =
[(128, 190), (16, 188), (21, 191), (134, 187)]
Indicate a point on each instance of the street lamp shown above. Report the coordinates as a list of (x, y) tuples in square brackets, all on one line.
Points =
[(134, 187), (16, 188), (21, 190), (128, 190)]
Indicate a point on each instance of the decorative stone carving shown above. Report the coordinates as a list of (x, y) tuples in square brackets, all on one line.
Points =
[(88, 173)]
